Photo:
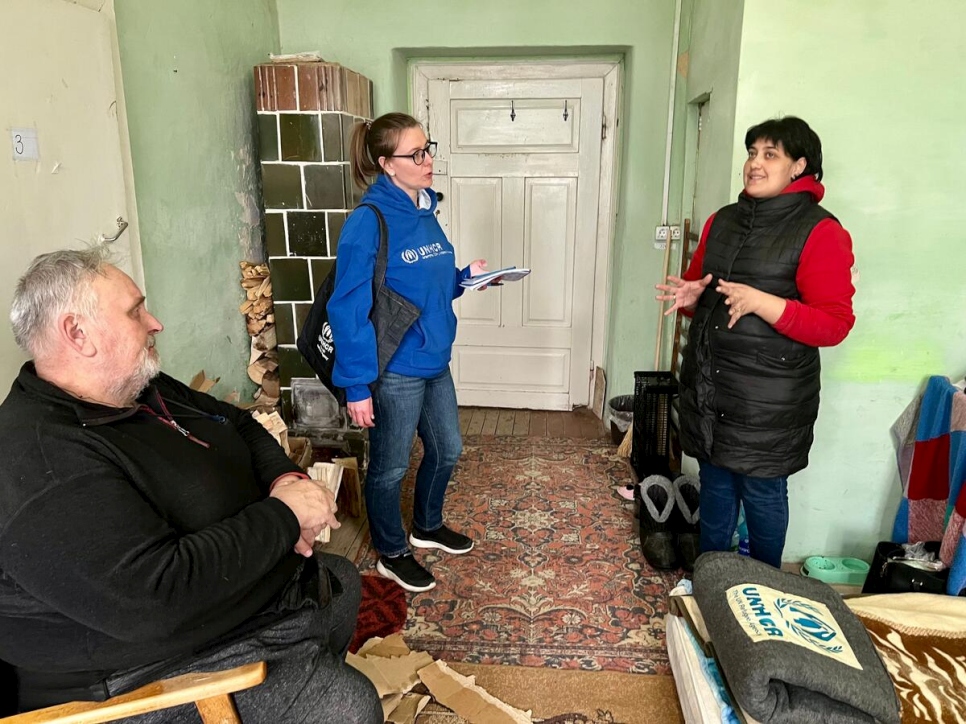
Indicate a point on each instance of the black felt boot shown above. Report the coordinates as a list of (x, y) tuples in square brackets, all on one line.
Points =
[(655, 516), (687, 516)]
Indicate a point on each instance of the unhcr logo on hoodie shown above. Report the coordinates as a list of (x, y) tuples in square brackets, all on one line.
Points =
[(426, 251), (765, 614)]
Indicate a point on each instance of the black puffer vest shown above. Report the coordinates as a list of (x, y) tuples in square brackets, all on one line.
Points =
[(749, 395)]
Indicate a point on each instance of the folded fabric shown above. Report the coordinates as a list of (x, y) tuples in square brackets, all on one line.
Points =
[(789, 647), (922, 640)]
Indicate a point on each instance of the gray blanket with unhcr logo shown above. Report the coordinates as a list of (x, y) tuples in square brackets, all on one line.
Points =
[(789, 647)]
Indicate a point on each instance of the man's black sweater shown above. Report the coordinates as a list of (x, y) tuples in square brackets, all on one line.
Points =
[(132, 536)]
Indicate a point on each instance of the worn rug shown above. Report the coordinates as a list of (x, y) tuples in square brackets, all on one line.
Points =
[(557, 578), (382, 611)]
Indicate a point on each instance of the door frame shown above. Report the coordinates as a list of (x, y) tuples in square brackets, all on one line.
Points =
[(106, 9), (422, 71)]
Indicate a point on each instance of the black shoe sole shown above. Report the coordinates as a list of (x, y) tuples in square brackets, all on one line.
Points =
[(425, 543), (386, 573)]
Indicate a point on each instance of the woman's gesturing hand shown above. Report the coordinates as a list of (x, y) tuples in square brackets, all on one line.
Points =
[(740, 298), (683, 293), (743, 299), (361, 412)]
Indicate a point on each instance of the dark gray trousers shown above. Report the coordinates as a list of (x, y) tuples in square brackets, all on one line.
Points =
[(308, 680)]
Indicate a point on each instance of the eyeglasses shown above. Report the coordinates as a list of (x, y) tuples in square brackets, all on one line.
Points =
[(419, 156)]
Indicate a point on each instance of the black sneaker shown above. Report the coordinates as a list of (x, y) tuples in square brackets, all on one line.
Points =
[(442, 538), (406, 571)]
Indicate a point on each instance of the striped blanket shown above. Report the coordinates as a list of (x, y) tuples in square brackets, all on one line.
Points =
[(921, 638), (930, 439)]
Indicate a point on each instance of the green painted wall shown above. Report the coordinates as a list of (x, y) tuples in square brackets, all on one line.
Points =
[(714, 50), (187, 73), (708, 55), (877, 80), (377, 40)]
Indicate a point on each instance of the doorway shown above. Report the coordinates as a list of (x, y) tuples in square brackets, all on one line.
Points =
[(526, 169)]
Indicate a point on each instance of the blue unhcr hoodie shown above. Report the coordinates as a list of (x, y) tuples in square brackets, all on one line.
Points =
[(422, 268)]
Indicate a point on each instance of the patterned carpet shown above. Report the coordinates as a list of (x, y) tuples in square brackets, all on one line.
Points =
[(557, 578), (382, 611)]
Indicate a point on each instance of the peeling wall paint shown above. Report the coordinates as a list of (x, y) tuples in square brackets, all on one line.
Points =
[(250, 243)]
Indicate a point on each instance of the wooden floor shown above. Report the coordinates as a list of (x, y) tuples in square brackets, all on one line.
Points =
[(580, 424)]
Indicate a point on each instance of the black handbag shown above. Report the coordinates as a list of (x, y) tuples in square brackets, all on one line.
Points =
[(392, 315), (889, 573)]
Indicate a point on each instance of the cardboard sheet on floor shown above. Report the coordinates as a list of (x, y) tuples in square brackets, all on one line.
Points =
[(395, 675), (408, 709), (393, 645), (462, 695)]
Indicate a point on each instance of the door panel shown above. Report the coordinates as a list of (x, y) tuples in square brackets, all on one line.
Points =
[(524, 126), (520, 160), (549, 247), (476, 212), (59, 84), (490, 368)]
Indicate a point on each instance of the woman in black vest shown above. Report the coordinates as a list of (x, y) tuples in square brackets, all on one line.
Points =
[(769, 284)]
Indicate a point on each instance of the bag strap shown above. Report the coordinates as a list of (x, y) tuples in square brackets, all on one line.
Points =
[(382, 258)]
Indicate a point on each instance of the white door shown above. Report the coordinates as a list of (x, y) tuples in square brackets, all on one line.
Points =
[(61, 166), (519, 166)]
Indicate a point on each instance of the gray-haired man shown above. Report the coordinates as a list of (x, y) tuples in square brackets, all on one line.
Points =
[(148, 530)]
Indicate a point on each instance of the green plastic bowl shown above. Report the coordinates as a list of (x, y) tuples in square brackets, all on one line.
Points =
[(841, 571)]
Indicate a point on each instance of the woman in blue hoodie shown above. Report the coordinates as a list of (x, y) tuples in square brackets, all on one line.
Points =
[(393, 159)]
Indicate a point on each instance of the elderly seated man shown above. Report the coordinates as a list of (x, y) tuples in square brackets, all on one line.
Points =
[(147, 530)]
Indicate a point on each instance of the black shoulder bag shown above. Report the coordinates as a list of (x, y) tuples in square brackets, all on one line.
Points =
[(392, 315)]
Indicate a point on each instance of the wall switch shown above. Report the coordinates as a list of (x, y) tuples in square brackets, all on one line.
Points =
[(675, 233), (661, 233)]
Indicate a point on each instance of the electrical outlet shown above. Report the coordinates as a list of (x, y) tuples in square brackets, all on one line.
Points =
[(675, 233), (661, 233)]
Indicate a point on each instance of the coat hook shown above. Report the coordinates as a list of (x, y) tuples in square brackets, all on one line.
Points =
[(566, 115), (513, 113)]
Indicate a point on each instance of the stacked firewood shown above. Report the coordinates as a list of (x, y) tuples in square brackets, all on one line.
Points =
[(260, 318)]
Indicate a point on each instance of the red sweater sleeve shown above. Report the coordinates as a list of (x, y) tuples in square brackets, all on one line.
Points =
[(824, 316), (693, 272), (697, 261)]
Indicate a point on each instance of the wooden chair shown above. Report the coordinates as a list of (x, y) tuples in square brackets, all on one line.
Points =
[(209, 692)]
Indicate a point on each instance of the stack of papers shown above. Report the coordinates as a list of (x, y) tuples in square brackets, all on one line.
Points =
[(510, 274)]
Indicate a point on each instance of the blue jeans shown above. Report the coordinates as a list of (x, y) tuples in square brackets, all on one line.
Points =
[(766, 512), (402, 407)]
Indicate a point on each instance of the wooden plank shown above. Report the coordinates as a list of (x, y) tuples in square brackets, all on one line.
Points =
[(466, 414), (538, 424), (521, 423), (556, 423), (599, 431), (490, 422), (476, 422), (217, 710), (573, 426), (342, 539), (504, 424), (589, 424)]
